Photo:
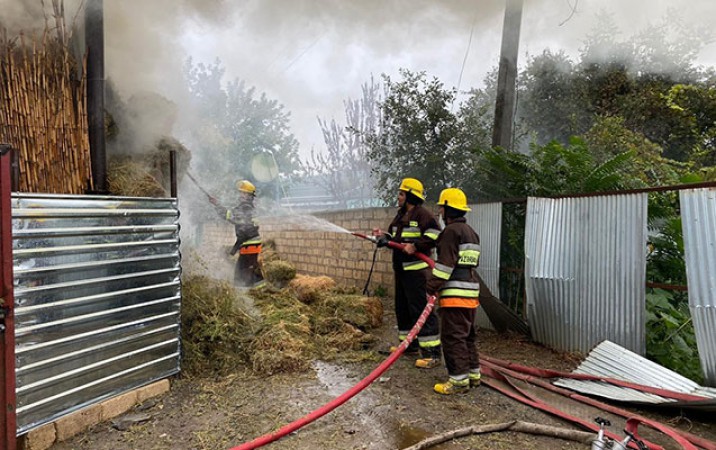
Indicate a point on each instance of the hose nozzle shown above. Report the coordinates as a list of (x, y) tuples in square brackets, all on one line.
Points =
[(373, 239)]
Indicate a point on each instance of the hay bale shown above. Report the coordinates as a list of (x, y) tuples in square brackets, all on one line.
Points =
[(362, 312), (284, 343), (309, 289), (278, 272), (268, 251), (216, 331), (132, 179), (335, 335)]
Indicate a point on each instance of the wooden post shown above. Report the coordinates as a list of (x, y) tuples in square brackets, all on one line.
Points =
[(94, 30)]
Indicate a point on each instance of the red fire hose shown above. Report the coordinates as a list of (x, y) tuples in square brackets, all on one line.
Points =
[(501, 370), (397, 246), (365, 382)]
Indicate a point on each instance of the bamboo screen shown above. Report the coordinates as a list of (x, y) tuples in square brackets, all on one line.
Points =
[(43, 112)]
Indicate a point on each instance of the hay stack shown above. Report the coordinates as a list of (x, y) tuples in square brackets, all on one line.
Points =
[(284, 342), (362, 312), (216, 332), (127, 177), (309, 289), (279, 273)]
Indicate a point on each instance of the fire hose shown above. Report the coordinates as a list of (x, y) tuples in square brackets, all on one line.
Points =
[(504, 370), (365, 382)]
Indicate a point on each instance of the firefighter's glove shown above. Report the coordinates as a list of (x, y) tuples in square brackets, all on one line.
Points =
[(382, 241), (220, 210)]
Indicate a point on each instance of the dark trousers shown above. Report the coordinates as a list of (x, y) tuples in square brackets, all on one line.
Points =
[(246, 271), (459, 339), (410, 301)]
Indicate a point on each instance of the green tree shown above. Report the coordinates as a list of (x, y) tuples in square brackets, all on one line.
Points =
[(550, 103), (635, 78), (610, 136), (237, 132), (695, 105), (419, 136)]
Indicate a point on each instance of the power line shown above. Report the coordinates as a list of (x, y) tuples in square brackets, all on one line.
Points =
[(571, 14), (467, 52)]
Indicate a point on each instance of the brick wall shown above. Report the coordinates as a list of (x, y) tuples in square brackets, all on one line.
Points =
[(341, 256)]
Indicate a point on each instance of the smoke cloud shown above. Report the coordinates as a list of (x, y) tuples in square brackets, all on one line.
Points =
[(312, 55)]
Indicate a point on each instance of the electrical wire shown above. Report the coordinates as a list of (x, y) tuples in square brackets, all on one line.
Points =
[(571, 14), (464, 59)]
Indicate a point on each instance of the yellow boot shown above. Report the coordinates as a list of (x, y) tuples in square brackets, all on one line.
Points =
[(474, 378), (430, 358), (427, 363), (452, 386)]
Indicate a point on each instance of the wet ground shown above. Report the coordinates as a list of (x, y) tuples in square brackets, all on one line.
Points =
[(396, 411)]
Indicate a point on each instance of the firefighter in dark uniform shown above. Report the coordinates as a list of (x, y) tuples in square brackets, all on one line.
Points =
[(416, 227), (247, 272), (454, 280)]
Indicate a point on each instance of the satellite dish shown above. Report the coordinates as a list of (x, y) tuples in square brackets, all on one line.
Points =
[(264, 168)]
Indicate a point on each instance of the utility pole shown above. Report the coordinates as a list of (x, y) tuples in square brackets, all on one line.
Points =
[(94, 37), (507, 76)]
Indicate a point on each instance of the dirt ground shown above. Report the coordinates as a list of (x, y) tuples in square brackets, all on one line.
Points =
[(396, 411)]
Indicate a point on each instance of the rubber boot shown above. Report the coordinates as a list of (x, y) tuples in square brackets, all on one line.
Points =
[(474, 378), (412, 350), (452, 386), (430, 358)]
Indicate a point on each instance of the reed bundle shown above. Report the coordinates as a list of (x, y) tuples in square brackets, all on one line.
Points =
[(43, 111)]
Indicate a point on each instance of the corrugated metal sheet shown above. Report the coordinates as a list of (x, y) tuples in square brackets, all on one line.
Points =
[(585, 270), (486, 220), (613, 361), (698, 217), (97, 298)]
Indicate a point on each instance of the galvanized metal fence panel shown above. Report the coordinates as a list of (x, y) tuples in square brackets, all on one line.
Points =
[(609, 360), (585, 269), (698, 218), (486, 220), (97, 299)]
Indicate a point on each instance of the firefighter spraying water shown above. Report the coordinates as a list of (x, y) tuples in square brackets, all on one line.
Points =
[(247, 272)]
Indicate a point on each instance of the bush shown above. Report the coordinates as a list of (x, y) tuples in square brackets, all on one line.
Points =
[(670, 339)]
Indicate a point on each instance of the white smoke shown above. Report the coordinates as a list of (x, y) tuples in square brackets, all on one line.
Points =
[(312, 55)]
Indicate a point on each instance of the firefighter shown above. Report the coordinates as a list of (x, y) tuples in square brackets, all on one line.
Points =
[(454, 280), (416, 227), (247, 272)]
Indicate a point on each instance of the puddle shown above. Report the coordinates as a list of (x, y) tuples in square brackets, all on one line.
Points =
[(405, 436), (386, 431), (365, 407)]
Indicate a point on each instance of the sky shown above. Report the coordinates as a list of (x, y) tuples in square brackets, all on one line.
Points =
[(312, 55)]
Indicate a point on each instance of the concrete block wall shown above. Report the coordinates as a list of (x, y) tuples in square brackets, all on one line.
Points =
[(314, 251)]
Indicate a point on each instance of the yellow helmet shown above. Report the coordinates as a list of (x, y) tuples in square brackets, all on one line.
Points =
[(454, 198), (246, 186), (412, 186)]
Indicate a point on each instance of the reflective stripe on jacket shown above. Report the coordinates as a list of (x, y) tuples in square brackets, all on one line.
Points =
[(454, 277), (416, 226), (251, 246)]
